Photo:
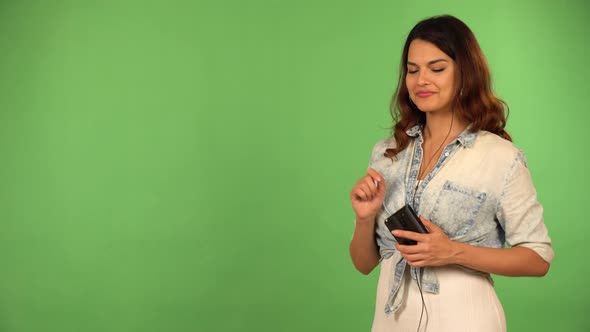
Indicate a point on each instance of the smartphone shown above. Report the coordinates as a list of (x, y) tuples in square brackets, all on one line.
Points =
[(407, 220)]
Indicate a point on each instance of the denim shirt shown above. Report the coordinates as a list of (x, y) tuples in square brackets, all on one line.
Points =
[(479, 192)]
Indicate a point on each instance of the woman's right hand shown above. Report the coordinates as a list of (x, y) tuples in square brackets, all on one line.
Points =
[(367, 196)]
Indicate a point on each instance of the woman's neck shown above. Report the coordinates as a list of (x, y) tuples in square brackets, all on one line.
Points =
[(443, 125)]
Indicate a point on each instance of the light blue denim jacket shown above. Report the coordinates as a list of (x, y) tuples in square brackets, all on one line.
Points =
[(480, 192)]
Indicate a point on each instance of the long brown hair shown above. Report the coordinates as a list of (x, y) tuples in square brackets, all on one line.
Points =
[(474, 101)]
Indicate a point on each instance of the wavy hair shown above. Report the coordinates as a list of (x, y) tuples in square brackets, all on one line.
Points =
[(473, 101)]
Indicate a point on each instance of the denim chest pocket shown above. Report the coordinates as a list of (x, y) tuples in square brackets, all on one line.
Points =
[(456, 208)]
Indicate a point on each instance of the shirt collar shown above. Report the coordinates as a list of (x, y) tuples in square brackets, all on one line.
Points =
[(466, 138)]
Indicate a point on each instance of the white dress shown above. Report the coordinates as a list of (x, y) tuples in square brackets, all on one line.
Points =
[(466, 302)]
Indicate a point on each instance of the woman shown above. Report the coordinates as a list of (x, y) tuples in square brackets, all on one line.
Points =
[(451, 160)]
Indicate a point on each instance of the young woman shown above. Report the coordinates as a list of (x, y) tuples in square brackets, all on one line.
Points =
[(451, 160)]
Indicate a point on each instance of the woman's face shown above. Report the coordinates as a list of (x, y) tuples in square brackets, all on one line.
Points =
[(431, 77)]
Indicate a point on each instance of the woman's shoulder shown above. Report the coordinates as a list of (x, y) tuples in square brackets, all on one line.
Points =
[(384, 144), (496, 147), (378, 152)]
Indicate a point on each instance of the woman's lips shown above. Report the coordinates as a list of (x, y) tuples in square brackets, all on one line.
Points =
[(424, 94)]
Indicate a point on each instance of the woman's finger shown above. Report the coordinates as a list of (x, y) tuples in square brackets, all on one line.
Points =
[(376, 176), (418, 237), (359, 193)]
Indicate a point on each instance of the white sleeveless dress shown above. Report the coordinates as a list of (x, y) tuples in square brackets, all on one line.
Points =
[(466, 303)]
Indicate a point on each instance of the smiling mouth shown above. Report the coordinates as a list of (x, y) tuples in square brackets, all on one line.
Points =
[(424, 94)]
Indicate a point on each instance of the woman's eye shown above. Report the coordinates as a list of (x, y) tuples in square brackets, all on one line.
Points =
[(412, 71), (438, 70)]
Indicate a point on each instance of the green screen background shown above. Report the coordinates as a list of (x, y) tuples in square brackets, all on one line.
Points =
[(185, 165)]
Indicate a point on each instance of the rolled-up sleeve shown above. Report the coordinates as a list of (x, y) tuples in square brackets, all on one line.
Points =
[(520, 214)]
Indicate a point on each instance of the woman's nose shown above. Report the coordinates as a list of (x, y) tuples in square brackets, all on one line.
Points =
[(423, 78)]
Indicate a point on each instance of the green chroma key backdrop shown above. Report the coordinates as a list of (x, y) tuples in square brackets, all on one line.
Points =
[(186, 165)]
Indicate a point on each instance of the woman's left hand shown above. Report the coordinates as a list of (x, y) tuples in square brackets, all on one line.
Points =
[(433, 249)]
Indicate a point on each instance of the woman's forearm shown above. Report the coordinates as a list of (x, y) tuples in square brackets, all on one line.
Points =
[(513, 262), (363, 248)]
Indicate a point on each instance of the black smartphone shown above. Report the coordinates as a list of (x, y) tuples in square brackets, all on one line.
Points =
[(407, 220)]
